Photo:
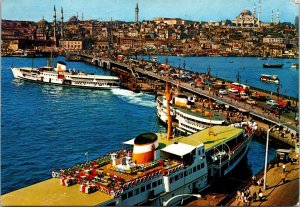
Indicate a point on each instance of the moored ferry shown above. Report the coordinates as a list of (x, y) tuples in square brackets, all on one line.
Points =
[(154, 169), (269, 78), (61, 76), (188, 118)]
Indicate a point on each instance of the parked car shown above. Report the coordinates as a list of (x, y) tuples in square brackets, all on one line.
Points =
[(251, 101), (272, 102), (223, 91), (233, 90)]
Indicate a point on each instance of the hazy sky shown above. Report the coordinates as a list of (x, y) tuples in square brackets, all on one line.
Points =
[(204, 10)]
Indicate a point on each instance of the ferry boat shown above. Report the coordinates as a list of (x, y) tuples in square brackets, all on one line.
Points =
[(61, 76), (272, 65), (188, 118), (269, 78), (157, 170)]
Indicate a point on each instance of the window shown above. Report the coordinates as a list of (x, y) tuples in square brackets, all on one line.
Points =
[(148, 186), (154, 184), (176, 177), (171, 179), (190, 171), (124, 196), (159, 182), (142, 188), (194, 169), (198, 167), (130, 194), (136, 191), (202, 165), (186, 173)]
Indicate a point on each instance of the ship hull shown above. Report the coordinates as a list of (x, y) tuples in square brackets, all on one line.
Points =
[(52, 79)]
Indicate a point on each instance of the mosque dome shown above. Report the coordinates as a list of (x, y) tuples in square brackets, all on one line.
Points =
[(73, 19), (246, 12), (42, 22)]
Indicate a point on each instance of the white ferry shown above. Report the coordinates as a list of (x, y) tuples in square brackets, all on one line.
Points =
[(61, 76), (156, 170), (269, 78), (186, 116)]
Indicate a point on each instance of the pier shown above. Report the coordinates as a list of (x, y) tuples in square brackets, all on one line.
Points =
[(135, 72)]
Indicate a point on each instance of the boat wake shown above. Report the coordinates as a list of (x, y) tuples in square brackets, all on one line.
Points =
[(141, 99)]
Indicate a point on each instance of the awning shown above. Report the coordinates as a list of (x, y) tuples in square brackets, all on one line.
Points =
[(179, 149), (129, 142)]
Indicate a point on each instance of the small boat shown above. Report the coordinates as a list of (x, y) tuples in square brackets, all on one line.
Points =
[(61, 76), (272, 65), (269, 78), (154, 59), (295, 65)]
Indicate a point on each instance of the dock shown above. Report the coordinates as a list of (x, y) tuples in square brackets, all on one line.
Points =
[(278, 192), (51, 193)]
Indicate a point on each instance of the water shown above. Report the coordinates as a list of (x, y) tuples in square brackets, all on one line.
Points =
[(249, 68), (46, 127)]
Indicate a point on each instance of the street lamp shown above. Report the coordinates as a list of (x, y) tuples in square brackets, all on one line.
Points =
[(266, 157), (166, 202)]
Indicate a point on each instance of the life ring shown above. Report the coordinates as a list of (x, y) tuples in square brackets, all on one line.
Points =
[(121, 190)]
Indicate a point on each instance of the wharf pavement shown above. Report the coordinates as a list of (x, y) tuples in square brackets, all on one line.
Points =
[(278, 192)]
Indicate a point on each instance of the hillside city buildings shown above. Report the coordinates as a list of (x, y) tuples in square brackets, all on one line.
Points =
[(246, 35)]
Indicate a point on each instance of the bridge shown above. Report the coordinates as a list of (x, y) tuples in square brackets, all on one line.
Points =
[(255, 111)]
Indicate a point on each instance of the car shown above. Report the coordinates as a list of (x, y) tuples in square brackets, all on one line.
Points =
[(272, 102), (251, 101), (223, 91), (244, 97), (233, 90)]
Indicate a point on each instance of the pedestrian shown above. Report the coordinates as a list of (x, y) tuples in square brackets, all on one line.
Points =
[(260, 195), (283, 168), (254, 196)]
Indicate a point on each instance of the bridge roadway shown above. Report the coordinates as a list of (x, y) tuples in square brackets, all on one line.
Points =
[(255, 111)]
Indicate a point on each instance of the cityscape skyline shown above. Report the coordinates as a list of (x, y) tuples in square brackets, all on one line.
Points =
[(104, 10)]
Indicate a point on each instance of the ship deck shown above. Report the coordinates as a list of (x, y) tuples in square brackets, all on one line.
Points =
[(51, 193), (197, 111), (218, 135)]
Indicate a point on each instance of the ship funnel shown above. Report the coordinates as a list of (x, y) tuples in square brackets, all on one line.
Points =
[(61, 66), (144, 148)]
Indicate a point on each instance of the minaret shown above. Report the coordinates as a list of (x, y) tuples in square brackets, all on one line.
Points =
[(61, 22), (272, 17), (82, 16), (258, 15), (137, 14), (54, 24), (254, 11), (277, 17), (77, 16)]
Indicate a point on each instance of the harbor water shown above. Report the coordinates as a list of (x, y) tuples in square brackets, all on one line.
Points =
[(46, 127), (249, 69)]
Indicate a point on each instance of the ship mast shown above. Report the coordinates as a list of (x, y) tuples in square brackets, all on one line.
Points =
[(210, 130), (168, 99)]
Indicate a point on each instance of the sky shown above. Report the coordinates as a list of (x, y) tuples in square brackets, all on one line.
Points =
[(102, 10)]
